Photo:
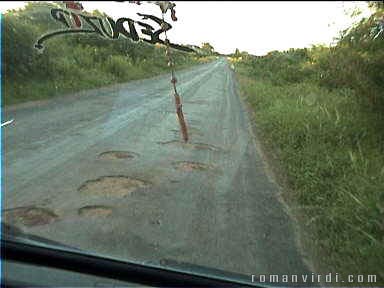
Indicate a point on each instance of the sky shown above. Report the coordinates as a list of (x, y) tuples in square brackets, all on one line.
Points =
[(256, 27)]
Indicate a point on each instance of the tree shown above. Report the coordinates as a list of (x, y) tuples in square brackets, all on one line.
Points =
[(376, 4), (207, 48)]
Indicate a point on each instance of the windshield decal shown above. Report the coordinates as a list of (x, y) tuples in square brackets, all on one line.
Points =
[(76, 22)]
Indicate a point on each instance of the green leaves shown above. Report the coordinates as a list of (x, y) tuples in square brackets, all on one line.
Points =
[(330, 149), (72, 62)]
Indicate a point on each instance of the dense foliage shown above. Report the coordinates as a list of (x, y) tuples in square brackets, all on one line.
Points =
[(73, 62), (320, 113), (356, 62)]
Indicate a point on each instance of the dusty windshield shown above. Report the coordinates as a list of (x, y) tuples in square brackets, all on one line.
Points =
[(240, 136)]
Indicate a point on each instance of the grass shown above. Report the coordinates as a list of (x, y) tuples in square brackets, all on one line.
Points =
[(330, 150), (73, 63), (115, 70)]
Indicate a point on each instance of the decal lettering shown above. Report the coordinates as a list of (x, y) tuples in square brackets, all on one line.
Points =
[(110, 29)]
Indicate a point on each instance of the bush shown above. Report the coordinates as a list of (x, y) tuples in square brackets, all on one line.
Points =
[(320, 112), (330, 149), (71, 62)]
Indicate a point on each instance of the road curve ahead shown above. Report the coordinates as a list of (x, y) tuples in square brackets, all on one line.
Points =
[(105, 171)]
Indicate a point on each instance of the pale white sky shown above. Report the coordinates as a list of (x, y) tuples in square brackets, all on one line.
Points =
[(256, 27)]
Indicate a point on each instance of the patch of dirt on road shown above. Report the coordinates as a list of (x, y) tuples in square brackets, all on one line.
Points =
[(115, 155), (112, 186), (191, 166), (95, 211), (30, 216)]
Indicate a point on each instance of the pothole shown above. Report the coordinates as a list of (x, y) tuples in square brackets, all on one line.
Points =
[(95, 211), (198, 146), (112, 186), (30, 216), (113, 155), (156, 222), (203, 146), (188, 166)]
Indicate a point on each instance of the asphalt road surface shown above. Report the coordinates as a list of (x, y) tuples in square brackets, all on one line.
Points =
[(105, 171)]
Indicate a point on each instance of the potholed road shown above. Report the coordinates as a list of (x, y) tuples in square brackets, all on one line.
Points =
[(209, 202)]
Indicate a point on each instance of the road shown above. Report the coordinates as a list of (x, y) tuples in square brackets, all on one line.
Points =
[(105, 171)]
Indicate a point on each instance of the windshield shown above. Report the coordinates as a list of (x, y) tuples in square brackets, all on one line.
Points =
[(239, 136)]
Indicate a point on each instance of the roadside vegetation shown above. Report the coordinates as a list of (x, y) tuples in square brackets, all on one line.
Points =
[(320, 115), (73, 62)]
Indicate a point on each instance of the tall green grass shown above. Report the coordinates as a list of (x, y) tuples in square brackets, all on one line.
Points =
[(73, 62), (330, 149), (320, 116)]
